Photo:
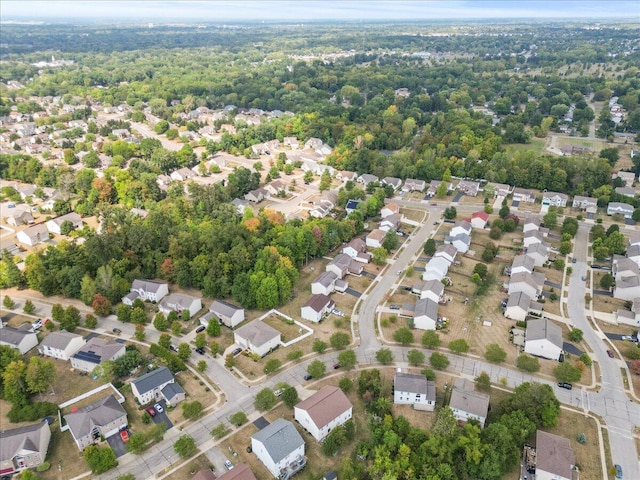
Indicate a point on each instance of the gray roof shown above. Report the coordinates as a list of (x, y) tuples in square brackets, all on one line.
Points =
[(540, 248), (544, 329), (466, 399), (554, 454), (97, 350), (326, 278), (102, 412), (342, 260), (410, 382), (225, 309), (426, 307), (633, 250), (519, 299), (21, 439), (523, 261), (280, 438), (59, 340), (450, 250), (170, 390), (147, 285), (13, 336), (72, 217), (258, 332), (153, 379)]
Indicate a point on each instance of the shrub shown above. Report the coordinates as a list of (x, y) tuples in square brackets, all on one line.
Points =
[(459, 346), (439, 361), (272, 365), (581, 438), (43, 467), (294, 355), (495, 353), (219, 431), (528, 364)]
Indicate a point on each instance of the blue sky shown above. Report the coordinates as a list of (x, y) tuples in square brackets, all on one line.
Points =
[(307, 10)]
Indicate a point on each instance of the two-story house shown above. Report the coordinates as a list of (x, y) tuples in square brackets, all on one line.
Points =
[(323, 411)]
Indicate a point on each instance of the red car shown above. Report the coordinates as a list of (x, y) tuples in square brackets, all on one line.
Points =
[(124, 435), (151, 411)]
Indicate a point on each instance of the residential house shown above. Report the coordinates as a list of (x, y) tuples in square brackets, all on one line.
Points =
[(357, 250), (626, 191), (416, 390), (531, 224), (389, 209), (61, 345), (448, 252), (634, 239), (18, 216), (227, 313), (150, 387), (554, 459), (238, 472), (257, 337), (147, 291), (528, 283), (179, 302), (100, 419), (431, 289), (366, 178), (183, 174), (425, 314), (342, 264), (23, 448), (554, 199), (461, 242), (522, 263), (33, 235), (139, 212), (623, 267), (584, 202), (280, 448), (633, 254), (461, 226), (396, 183), (26, 191), (479, 219), (392, 222), (323, 411), (499, 189), (257, 195), (94, 352), (627, 177), (55, 224), (469, 188), (413, 185), (543, 338), (533, 236), (240, 205), (627, 288), (618, 208), (375, 238), (345, 176), (467, 404), (519, 305), (539, 252), (316, 308), (291, 142), (436, 269), (433, 187), (523, 195), (325, 283), (351, 206), (275, 187), (18, 338)]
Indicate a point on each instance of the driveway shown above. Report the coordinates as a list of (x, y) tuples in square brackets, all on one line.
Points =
[(552, 284), (260, 423), (605, 293), (162, 417), (572, 349), (457, 198), (117, 445), (353, 292)]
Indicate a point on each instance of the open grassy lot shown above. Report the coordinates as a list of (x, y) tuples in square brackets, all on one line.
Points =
[(63, 455), (595, 144), (196, 391), (536, 145)]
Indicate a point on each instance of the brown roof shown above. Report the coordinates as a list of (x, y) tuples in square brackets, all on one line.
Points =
[(239, 472), (554, 454), (205, 475), (325, 405), (317, 302)]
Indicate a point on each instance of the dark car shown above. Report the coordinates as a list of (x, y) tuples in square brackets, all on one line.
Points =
[(200, 350), (573, 260), (394, 307), (173, 348), (308, 377), (566, 385), (236, 351), (117, 331), (336, 366), (618, 471), (610, 353), (201, 328)]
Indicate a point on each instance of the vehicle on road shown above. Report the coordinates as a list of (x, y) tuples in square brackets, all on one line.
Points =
[(158, 408), (394, 307), (399, 272), (584, 278), (201, 328), (124, 435), (228, 464), (117, 331), (566, 385), (173, 348), (278, 392), (308, 377), (407, 289), (11, 205), (573, 260), (610, 353), (236, 351), (618, 471), (200, 350), (150, 410)]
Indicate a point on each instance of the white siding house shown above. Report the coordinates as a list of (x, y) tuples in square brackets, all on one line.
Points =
[(279, 447), (61, 345), (316, 308), (543, 339), (258, 337), (416, 390), (323, 411)]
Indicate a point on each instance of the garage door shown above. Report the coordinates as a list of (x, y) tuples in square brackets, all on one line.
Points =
[(111, 432)]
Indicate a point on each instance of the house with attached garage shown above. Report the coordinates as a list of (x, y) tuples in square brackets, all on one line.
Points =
[(633, 254), (543, 338), (342, 264), (627, 177), (626, 191), (523, 195), (180, 302), (257, 337), (499, 189), (432, 289), (531, 224), (61, 345), (461, 227), (100, 419), (469, 188), (627, 288), (539, 252), (461, 242), (324, 284), (396, 183), (20, 339), (257, 195), (433, 187), (55, 224), (448, 252), (316, 308), (519, 305), (415, 390), (467, 404), (522, 264), (366, 178), (33, 235), (425, 314), (346, 176), (479, 219), (150, 387), (392, 222), (147, 291), (436, 269), (357, 250), (533, 236), (23, 448), (584, 202), (389, 209), (17, 216), (554, 458), (183, 174), (227, 313), (94, 352), (623, 267), (280, 448), (619, 208), (528, 283), (323, 411), (413, 185), (554, 199), (375, 238)]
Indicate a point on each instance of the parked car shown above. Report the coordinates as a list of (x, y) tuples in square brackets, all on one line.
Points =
[(124, 435), (627, 338), (610, 353), (200, 350), (158, 408), (37, 324), (173, 348), (150, 410), (308, 377), (618, 471), (228, 464), (394, 307), (236, 351), (117, 331), (566, 385), (278, 392), (201, 328), (336, 366), (573, 260)]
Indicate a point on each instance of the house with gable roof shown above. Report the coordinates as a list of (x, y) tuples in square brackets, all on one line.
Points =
[(554, 458), (555, 199), (55, 224), (257, 337), (479, 219), (469, 187), (94, 352), (323, 411), (316, 308), (357, 249), (325, 283), (147, 291), (415, 390), (100, 419), (375, 238), (543, 338), (389, 209), (413, 185), (24, 447), (151, 387), (396, 183), (227, 313), (425, 314), (467, 404), (280, 448), (33, 235), (179, 302), (61, 345), (20, 339)]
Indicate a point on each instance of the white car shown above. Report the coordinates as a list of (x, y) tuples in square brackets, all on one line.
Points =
[(228, 464), (158, 408)]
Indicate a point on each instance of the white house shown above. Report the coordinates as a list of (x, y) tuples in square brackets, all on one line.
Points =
[(619, 208), (523, 195), (375, 238), (584, 202), (554, 199), (539, 252), (357, 250), (519, 305), (392, 222), (389, 209), (531, 237), (316, 308), (323, 411), (279, 447), (467, 404), (555, 459), (96, 351), (227, 313), (18, 216), (325, 284), (151, 387), (55, 224), (633, 254), (623, 267), (342, 264), (258, 337), (396, 183), (461, 227), (432, 289), (413, 185), (522, 264), (146, 290), (416, 390), (448, 252), (425, 315), (461, 242), (543, 338), (61, 345), (33, 235), (436, 269), (499, 189), (529, 283), (367, 178), (179, 302), (469, 187), (531, 224), (627, 288), (17, 338), (479, 219)]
